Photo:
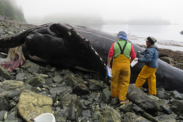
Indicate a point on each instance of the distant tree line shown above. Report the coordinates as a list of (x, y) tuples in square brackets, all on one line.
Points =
[(97, 20), (9, 8), (74, 19)]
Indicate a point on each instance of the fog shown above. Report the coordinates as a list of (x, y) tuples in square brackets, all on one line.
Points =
[(41, 11)]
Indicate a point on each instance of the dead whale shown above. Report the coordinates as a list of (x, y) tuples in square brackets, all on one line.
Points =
[(67, 45)]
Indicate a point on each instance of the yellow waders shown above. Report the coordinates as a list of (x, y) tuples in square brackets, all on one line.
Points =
[(120, 77), (149, 73)]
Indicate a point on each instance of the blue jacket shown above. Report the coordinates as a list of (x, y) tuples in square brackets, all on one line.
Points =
[(150, 56)]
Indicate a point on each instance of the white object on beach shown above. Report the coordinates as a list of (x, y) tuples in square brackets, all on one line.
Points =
[(133, 63), (46, 117)]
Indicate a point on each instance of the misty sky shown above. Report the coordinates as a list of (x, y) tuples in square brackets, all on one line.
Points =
[(171, 10)]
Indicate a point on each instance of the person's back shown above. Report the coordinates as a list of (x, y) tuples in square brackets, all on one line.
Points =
[(121, 52)]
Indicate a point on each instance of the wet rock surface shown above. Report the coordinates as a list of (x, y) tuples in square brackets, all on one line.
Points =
[(20, 98), (77, 96)]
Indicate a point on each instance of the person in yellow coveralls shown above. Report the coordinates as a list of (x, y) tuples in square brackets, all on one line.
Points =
[(123, 53), (150, 67)]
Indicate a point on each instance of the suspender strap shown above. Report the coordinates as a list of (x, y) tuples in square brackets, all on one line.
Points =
[(123, 47)]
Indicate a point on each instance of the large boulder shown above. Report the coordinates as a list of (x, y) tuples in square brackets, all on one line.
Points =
[(141, 99), (30, 102)]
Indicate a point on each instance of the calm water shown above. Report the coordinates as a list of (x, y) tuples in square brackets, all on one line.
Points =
[(167, 35)]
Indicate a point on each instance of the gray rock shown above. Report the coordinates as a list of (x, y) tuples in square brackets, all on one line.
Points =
[(96, 121), (102, 105), (110, 115), (2, 113), (36, 80), (83, 105), (154, 97), (57, 79), (87, 102), (86, 113), (141, 99), (11, 117), (177, 106), (114, 101), (167, 59), (106, 95), (137, 109), (59, 118), (4, 73), (92, 96), (73, 105), (11, 88), (15, 120), (21, 76), (4, 105), (77, 85), (98, 97), (149, 117), (179, 121), (96, 115), (131, 117), (83, 119), (161, 93), (175, 94), (95, 85), (31, 67), (181, 117), (60, 91), (12, 103), (165, 106), (126, 107), (166, 118)]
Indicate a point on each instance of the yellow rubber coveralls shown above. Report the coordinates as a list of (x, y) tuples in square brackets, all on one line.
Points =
[(149, 74)]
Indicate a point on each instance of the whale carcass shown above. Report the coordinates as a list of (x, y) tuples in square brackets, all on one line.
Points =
[(72, 46)]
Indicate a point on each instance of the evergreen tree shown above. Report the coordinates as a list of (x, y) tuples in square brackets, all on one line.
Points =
[(10, 9)]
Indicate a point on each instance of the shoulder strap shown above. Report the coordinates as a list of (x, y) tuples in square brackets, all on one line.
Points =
[(122, 50)]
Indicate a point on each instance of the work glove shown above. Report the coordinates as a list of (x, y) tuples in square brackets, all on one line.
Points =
[(136, 59)]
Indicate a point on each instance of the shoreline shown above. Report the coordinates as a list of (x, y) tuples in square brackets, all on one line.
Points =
[(163, 44)]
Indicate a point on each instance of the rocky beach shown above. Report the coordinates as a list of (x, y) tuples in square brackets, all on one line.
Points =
[(76, 96)]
